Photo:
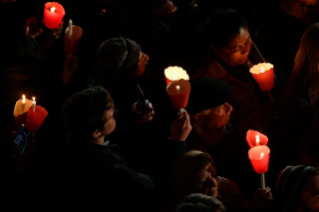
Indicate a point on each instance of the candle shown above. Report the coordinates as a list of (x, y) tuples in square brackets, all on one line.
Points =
[(263, 73), (255, 138), (23, 101), (53, 14), (70, 29), (33, 104), (178, 92), (259, 158), (174, 73), (72, 38)]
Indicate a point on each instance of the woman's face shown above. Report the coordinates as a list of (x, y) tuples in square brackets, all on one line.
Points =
[(237, 51), (310, 195)]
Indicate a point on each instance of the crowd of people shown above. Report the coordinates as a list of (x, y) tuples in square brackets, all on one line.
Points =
[(112, 140)]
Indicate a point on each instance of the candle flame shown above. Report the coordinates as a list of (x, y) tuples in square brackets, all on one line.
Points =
[(53, 9), (178, 88), (257, 140), (262, 70), (23, 97), (261, 155), (175, 78), (33, 99)]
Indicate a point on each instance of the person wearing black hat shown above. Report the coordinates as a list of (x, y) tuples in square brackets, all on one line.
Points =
[(213, 133), (299, 187)]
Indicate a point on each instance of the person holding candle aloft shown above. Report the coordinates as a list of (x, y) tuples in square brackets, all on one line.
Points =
[(232, 49)]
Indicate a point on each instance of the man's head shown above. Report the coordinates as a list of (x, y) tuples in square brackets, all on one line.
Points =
[(194, 172), (200, 202), (208, 103), (299, 186), (90, 113), (121, 57), (229, 37)]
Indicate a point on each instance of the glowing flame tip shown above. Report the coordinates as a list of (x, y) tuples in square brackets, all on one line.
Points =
[(53, 9)]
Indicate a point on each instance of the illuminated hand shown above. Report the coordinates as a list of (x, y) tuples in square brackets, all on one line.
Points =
[(30, 28), (148, 115), (181, 127)]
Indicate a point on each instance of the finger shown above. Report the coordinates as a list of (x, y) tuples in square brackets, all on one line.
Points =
[(36, 33)]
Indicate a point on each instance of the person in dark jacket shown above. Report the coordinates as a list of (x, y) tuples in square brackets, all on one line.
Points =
[(96, 178)]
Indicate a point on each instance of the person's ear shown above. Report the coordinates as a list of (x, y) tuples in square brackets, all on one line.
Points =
[(96, 134), (199, 118)]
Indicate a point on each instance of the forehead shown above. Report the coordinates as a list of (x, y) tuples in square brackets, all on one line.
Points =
[(209, 168), (240, 38)]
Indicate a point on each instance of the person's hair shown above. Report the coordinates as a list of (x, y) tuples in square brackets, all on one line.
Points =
[(84, 112), (224, 25), (200, 202), (112, 54), (203, 160), (306, 65)]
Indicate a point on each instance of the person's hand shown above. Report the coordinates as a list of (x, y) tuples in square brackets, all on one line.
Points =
[(148, 115), (30, 28), (70, 67), (262, 199), (181, 127)]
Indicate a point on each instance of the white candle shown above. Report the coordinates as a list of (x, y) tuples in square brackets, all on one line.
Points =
[(23, 101), (33, 104), (257, 140), (70, 29)]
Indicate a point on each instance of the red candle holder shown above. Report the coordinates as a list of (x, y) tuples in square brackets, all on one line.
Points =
[(71, 46), (263, 73), (259, 158), (174, 73), (35, 118), (53, 14), (251, 138), (178, 92)]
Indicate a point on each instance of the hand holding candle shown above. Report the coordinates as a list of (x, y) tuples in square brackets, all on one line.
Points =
[(263, 73), (174, 73)]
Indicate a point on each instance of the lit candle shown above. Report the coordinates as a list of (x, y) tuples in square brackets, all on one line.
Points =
[(23, 101), (53, 14), (174, 73), (33, 104), (255, 138), (178, 92), (263, 73), (259, 158), (70, 29)]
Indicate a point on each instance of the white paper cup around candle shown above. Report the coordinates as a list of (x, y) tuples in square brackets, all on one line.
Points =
[(71, 45), (263, 73), (174, 73)]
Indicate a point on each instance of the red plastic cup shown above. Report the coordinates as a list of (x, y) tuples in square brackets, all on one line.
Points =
[(259, 158), (53, 17), (178, 92), (263, 73)]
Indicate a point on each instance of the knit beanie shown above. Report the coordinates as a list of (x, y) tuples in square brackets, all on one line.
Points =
[(292, 181)]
